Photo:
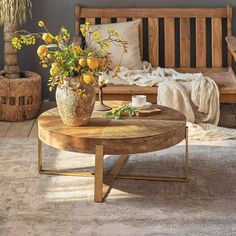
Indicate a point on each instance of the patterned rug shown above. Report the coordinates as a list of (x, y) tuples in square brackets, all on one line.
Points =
[(42, 205)]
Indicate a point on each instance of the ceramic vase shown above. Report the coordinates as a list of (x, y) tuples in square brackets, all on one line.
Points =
[(75, 109)]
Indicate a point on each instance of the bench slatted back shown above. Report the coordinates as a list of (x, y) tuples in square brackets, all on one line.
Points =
[(174, 37)]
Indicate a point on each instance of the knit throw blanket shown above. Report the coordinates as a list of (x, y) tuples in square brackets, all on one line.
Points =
[(195, 95)]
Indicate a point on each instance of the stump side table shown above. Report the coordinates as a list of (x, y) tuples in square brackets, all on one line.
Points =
[(103, 136)]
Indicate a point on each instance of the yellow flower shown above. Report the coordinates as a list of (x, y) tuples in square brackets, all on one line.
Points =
[(110, 30), (41, 24), (77, 69), (64, 30), (55, 70), (49, 56), (44, 65), (102, 63), (116, 70), (58, 38), (85, 28), (78, 49), (107, 44), (96, 36), (16, 43)]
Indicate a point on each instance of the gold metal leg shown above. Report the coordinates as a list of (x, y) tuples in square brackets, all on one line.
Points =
[(98, 187), (58, 172), (165, 178), (113, 174), (101, 190)]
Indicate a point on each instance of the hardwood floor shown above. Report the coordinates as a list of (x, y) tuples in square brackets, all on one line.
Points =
[(25, 129), (28, 129)]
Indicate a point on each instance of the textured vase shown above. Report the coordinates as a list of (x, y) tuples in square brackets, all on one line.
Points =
[(75, 109)]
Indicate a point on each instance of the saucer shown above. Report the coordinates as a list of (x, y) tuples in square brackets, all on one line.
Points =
[(147, 105)]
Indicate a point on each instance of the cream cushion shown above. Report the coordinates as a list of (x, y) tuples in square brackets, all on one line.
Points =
[(129, 31)]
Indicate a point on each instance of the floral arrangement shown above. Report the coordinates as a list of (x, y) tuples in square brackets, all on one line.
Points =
[(67, 59)]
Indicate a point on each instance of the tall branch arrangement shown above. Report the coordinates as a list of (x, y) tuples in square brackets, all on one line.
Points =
[(67, 59)]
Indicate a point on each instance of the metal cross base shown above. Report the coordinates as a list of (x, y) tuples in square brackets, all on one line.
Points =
[(101, 190)]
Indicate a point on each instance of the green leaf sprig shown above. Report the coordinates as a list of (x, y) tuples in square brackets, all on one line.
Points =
[(118, 112)]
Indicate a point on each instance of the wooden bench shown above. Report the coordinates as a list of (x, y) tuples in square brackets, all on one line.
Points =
[(186, 39)]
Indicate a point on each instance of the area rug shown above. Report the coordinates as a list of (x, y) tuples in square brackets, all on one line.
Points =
[(31, 204)]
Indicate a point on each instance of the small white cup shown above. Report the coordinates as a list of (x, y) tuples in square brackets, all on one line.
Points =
[(139, 100)]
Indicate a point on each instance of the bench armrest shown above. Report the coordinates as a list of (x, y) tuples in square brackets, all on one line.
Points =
[(231, 41)]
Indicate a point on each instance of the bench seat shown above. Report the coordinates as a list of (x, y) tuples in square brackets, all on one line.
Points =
[(224, 78)]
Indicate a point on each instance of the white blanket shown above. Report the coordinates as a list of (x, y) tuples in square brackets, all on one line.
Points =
[(195, 95)]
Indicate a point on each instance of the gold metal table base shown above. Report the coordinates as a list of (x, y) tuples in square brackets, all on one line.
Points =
[(101, 190)]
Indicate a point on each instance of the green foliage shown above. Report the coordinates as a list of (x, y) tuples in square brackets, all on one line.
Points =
[(66, 59), (118, 112)]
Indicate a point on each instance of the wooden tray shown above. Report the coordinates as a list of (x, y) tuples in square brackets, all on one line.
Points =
[(148, 112)]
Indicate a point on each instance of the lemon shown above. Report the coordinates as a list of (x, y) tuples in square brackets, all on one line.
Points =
[(47, 38), (82, 62), (42, 51), (55, 70), (88, 78), (92, 63), (41, 24)]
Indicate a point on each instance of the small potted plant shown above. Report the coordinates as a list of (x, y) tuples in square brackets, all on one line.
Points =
[(73, 68), (20, 91)]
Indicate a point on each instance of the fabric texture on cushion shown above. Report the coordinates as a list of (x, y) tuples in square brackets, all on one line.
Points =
[(128, 31)]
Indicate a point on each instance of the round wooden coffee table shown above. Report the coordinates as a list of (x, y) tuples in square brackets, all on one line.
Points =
[(103, 136)]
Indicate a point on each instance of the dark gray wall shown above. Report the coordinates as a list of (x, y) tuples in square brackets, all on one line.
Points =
[(61, 12)]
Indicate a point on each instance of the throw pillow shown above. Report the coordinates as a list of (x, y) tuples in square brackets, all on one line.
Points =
[(128, 31)]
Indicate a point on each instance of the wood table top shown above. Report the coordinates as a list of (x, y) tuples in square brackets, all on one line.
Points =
[(125, 136)]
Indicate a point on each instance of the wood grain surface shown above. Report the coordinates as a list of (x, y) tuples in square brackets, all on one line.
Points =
[(163, 45), (201, 42), (125, 136), (185, 42), (20, 98), (231, 41)]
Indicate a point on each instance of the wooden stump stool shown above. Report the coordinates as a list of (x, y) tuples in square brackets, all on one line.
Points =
[(20, 98)]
